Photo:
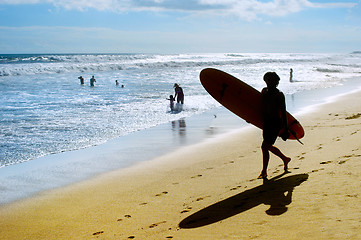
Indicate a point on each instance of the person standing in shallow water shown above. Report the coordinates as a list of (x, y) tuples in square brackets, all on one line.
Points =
[(81, 80), (179, 95), (274, 119), (92, 81), (291, 75), (171, 102)]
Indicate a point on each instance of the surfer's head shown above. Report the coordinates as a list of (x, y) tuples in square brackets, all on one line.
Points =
[(176, 85), (271, 79)]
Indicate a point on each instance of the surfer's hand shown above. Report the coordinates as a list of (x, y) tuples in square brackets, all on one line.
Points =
[(285, 135)]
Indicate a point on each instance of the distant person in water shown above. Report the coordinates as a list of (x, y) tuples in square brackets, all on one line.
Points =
[(92, 81), (291, 75), (171, 102), (274, 119), (81, 80), (178, 93), (117, 83)]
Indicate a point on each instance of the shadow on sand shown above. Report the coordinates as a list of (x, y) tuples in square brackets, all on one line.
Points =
[(276, 192)]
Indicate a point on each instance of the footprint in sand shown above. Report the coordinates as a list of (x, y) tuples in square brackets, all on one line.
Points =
[(201, 198), (186, 210), (352, 196), (347, 158), (337, 139), (235, 188), (354, 133), (126, 216), (301, 156), (98, 233), (199, 175), (327, 162), (316, 170), (353, 116), (156, 224), (160, 194)]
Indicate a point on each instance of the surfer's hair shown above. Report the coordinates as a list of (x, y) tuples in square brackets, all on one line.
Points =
[(271, 79)]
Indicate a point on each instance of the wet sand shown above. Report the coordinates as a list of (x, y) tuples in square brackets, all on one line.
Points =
[(210, 191)]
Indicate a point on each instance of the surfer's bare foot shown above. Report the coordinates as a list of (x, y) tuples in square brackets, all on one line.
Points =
[(286, 160), (262, 175)]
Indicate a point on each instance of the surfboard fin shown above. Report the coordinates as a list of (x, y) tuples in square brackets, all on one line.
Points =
[(294, 134)]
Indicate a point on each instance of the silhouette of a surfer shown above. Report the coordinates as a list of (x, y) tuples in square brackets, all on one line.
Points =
[(274, 119)]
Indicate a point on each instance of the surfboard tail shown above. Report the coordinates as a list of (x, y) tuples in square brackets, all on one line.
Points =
[(289, 133)]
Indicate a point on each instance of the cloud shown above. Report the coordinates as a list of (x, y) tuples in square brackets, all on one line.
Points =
[(245, 9), (252, 9), (134, 5)]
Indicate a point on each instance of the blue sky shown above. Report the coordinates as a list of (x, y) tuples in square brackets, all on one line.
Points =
[(179, 26)]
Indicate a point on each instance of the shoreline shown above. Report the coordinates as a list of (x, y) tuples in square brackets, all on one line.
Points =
[(21, 181), (173, 195)]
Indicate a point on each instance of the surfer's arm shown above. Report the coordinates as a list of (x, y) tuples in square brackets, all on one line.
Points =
[(285, 135), (263, 106), (283, 110)]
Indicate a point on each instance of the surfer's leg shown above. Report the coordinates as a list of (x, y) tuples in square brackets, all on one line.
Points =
[(278, 153), (265, 155)]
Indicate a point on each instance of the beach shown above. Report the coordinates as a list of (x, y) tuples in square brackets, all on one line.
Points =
[(209, 190)]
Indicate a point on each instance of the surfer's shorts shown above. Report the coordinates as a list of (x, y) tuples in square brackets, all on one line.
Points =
[(271, 130)]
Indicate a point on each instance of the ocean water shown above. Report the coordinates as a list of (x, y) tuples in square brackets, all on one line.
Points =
[(45, 110)]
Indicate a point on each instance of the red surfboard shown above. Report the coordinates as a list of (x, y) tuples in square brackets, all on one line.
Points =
[(242, 99)]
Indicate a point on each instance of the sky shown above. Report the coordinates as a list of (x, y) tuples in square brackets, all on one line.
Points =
[(180, 26)]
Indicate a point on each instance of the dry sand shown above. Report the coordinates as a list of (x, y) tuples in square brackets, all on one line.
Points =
[(210, 191)]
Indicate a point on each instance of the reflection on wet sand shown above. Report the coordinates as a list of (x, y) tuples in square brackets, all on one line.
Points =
[(180, 128)]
